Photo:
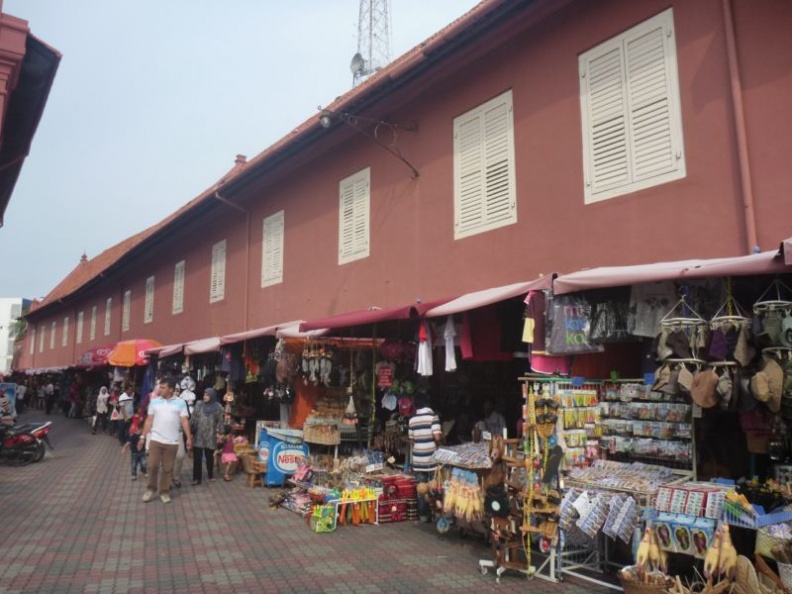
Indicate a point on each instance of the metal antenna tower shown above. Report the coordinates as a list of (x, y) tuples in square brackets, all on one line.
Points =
[(373, 50)]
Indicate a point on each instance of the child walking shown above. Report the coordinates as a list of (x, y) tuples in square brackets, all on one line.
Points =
[(228, 457), (138, 457)]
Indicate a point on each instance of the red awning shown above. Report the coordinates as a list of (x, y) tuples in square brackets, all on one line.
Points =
[(95, 357), (489, 296), (258, 332), (771, 262), (371, 316), (205, 345)]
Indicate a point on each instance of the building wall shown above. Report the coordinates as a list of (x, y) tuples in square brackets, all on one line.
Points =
[(413, 253), (10, 311)]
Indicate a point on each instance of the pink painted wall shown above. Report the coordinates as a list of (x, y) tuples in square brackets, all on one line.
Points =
[(413, 253)]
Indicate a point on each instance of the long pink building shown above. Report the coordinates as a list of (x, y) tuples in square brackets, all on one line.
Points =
[(526, 137)]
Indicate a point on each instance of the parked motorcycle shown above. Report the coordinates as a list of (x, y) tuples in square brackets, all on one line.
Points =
[(25, 443)]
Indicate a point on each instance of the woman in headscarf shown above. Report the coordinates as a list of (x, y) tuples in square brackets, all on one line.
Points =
[(206, 423), (102, 410)]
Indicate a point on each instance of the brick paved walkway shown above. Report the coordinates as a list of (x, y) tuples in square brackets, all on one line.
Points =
[(75, 523)]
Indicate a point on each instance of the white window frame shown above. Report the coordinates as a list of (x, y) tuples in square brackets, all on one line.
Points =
[(631, 111), (126, 310), (42, 332), (92, 333), (485, 194), (272, 249), (148, 309), (79, 330), (178, 287), (32, 349), (108, 316), (354, 216), (53, 330), (217, 278), (65, 337)]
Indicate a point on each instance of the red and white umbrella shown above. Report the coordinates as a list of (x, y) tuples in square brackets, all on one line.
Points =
[(129, 353)]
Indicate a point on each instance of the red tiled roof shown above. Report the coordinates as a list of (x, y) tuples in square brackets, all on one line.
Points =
[(89, 270)]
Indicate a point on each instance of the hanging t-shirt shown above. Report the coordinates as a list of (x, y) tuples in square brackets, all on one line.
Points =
[(649, 302)]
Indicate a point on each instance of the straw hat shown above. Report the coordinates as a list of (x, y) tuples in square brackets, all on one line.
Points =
[(745, 578), (703, 389)]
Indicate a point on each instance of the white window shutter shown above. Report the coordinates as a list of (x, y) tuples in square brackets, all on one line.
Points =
[(354, 217), (32, 342), (484, 179), (631, 112), (148, 309), (272, 250), (53, 330), (93, 323), (42, 331), (217, 288), (126, 313), (178, 287), (79, 331), (108, 315), (65, 338)]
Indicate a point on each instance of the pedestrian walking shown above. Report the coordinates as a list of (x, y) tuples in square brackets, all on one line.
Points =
[(102, 410), (228, 457), (206, 423), (166, 414), (138, 455), (126, 408)]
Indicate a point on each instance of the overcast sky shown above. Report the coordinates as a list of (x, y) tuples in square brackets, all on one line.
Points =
[(154, 98)]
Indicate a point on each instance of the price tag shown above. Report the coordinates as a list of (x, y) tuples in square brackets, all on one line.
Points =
[(375, 467)]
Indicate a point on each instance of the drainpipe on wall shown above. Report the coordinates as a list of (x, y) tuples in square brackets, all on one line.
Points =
[(739, 126), (247, 256)]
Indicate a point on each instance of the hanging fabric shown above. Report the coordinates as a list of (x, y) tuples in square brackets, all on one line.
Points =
[(449, 334), (424, 362)]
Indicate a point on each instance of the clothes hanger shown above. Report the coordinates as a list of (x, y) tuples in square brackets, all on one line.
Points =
[(774, 304), (730, 313)]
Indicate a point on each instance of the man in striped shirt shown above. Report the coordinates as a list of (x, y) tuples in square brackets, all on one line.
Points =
[(424, 433)]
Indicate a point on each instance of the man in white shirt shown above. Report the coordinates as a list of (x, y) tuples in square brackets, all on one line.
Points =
[(166, 414), (20, 398)]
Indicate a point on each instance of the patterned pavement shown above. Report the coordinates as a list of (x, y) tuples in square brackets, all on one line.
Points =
[(75, 523)]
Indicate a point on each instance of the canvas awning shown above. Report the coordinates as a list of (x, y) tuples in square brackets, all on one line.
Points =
[(770, 262), (367, 317), (258, 332), (489, 296), (293, 331), (166, 351), (204, 345)]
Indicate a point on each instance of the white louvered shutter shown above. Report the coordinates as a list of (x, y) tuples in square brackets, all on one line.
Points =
[(354, 215), (272, 250), (632, 130), (217, 288), (32, 349), (93, 323), (126, 313), (53, 329), (108, 315), (484, 178), (42, 331), (65, 337), (79, 331), (178, 287), (148, 309)]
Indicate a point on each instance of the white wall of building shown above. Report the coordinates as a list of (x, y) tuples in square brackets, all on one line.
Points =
[(10, 310)]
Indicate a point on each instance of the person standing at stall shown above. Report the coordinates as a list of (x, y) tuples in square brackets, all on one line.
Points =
[(425, 433), (166, 414), (206, 423)]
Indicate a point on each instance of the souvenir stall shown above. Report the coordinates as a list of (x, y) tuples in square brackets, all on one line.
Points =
[(712, 376)]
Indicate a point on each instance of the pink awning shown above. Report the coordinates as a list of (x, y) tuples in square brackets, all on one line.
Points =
[(205, 345), (371, 316), (489, 296), (771, 262), (257, 333), (293, 331), (166, 351)]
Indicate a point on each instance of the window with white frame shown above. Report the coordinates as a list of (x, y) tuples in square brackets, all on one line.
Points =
[(148, 309), (272, 250), (53, 329), (354, 214), (79, 331), (217, 282), (93, 323), (485, 196), (65, 337), (108, 316), (632, 119), (126, 310), (42, 331), (32, 341), (178, 287)]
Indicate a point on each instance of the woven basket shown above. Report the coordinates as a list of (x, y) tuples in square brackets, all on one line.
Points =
[(785, 573), (631, 587)]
